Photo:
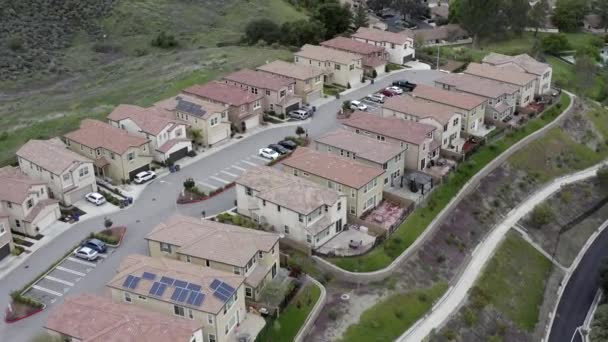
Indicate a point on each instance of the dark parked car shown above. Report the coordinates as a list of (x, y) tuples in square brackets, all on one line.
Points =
[(405, 85), (96, 245), (278, 148), (288, 144)]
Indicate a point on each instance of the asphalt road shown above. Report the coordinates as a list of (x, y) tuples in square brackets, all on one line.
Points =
[(157, 203), (579, 293)]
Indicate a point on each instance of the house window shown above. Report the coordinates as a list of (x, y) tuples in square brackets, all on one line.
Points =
[(353, 193), (278, 208), (392, 46), (257, 104), (207, 263), (254, 90), (223, 115), (260, 254), (300, 217), (17, 223), (282, 94), (9, 205), (248, 292), (351, 67), (112, 156), (339, 187), (295, 172), (339, 206), (243, 108), (2, 229), (248, 191), (352, 210), (179, 310), (236, 270), (337, 66), (455, 121), (308, 238), (131, 156), (330, 184), (66, 177), (317, 79), (209, 319), (142, 298), (267, 92), (188, 258), (264, 203), (165, 247), (30, 203), (212, 338), (326, 207), (128, 297), (286, 229), (297, 59)]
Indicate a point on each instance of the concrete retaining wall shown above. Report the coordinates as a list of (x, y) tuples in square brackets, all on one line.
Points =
[(314, 314)]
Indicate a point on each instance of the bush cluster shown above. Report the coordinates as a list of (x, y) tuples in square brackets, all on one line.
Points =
[(18, 298)]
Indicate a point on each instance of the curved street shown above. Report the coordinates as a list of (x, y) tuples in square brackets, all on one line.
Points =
[(157, 202)]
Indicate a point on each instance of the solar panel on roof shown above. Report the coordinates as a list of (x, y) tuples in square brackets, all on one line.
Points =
[(134, 282), (176, 293), (219, 295), (149, 276), (183, 295), (224, 291), (199, 299), (167, 280), (215, 283), (194, 287), (192, 297), (154, 288), (227, 287), (161, 289), (128, 281), (180, 283)]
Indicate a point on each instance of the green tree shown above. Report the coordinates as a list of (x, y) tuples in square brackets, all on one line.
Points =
[(586, 68), (538, 15), (410, 8), (516, 15), (378, 5), (302, 32), (262, 29), (195, 134), (599, 325), (542, 215), (600, 7), (300, 131), (480, 18), (164, 41), (555, 43), (454, 11), (107, 222), (568, 15), (360, 19), (335, 17)]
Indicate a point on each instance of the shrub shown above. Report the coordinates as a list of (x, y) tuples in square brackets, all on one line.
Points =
[(333, 315), (164, 41), (107, 222), (542, 215), (189, 183), (18, 298), (17, 251), (555, 43)]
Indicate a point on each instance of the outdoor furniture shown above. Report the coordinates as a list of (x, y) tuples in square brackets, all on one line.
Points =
[(355, 244), (378, 218)]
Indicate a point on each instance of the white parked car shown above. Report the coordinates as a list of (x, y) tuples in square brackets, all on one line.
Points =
[(357, 105), (144, 176), (376, 98), (396, 90), (86, 253), (269, 153), (95, 198)]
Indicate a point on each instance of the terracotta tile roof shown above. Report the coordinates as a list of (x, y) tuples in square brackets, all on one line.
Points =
[(191, 105), (169, 144), (52, 155), (259, 79), (524, 61), (286, 69), (362, 146), (96, 134), (381, 36), (90, 318), (478, 85), (213, 240), (449, 98), (146, 119), (403, 130), (499, 74), (223, 93), (373, 62), (279, 188), (15, 185), (321, 53), (420, 108), (351, 45), (136, 264), (332, 167)]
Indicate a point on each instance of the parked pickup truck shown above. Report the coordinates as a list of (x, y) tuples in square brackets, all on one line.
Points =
[(405, 85)]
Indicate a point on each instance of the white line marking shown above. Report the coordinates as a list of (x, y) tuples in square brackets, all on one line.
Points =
[(40, 288), (207, 185), (260, 158), (250, 163), (82, 262), (238, 168), (59, 280), (219, 180), (229, 174), (102, 255), (61, 268)]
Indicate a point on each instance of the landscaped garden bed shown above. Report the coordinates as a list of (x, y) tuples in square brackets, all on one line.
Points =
[(111, 236), (21, 307), (192, 194)]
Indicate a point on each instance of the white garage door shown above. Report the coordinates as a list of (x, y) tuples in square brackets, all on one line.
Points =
[(77, 195), (252, 122), (314, 95), (46, 221)]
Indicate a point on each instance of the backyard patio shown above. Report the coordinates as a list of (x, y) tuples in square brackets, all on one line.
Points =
[(387, 214), (353, 241)]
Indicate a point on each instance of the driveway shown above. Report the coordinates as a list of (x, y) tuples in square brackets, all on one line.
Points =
[(157, 202)]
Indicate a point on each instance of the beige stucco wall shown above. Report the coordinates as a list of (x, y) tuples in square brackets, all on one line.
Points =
[(5, 236), (19, 211), (342, 77), (397, 53)]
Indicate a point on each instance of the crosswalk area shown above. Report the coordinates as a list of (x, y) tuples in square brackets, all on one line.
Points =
[(231, 173)]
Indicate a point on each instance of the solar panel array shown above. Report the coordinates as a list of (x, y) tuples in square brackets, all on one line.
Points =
[(223, 291), (149, 276), (131, 282), (158, 289), (184, 292)]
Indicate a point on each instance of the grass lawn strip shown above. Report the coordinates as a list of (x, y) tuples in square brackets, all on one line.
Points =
[(388, 319), (286, 327), (418, 221)]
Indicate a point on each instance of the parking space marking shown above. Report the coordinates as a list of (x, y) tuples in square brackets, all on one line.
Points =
[(40, 288), (250, 163), (207, 185), (59, 280), (61, 268), (229, 174), (82, 262), (238, 168), (260, 158), (103, 256), (219, 180)]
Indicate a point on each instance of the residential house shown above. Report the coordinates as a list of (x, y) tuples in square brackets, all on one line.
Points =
[(444, 118), (363, 184), (442, 35), (507, 74), (211, 298), (26, 203), (375, 57), (472, 108), (116, 153), (210, 119), (244, 107), (309, 80), (341, 68), (167, 136), (367, 150), (415, 137), (301, 210), (6, 237), (278, 91), (91, 318), (247, 252), (527, 64), (400, 46), (500, 95), (69, 175)]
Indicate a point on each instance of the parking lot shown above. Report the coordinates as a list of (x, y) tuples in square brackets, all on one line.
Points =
[(63, 277), (231, 173)]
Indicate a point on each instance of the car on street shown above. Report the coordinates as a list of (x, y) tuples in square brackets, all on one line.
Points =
[(96, 245), (379, 98), (278, 148), (405, 85), (95, 198), (144, 176), (394, 89), (288, 144), (357, 105), (86, 253), (268, 153), (298, 114)]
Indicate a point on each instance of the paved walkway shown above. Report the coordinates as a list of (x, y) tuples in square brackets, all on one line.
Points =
[(451, 301)]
